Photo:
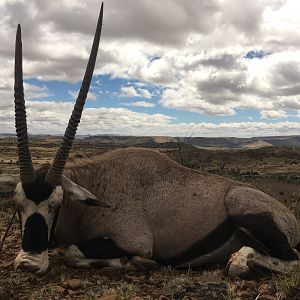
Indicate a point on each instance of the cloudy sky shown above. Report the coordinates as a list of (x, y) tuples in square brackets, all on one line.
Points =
[(171, 67)]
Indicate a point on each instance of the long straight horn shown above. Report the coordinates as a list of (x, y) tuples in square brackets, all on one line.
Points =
[(54, 175), (27, 173)]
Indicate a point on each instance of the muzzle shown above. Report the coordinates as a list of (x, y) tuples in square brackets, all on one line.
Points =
[(33, 262)]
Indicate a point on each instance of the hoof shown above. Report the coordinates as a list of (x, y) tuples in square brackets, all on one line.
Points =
[(237, 265), (73, 256), (139, 263), (246, 261)]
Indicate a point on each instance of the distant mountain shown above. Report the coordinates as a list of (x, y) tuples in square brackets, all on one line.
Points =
[(167, 141), (205, 142), (254, 142), (283, 141)]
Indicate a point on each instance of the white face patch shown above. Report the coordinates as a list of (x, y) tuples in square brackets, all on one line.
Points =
[(45, 208), (36, 261)]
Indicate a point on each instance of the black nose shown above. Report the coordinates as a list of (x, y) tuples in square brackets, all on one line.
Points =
[(35, 238)]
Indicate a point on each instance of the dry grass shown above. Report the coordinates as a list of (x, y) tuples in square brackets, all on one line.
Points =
[(166, 283)]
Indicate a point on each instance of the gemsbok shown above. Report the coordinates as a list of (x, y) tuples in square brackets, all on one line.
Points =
[(136, 208)]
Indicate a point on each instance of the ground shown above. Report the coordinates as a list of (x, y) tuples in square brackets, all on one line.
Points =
[(274, 170), (166, 283)]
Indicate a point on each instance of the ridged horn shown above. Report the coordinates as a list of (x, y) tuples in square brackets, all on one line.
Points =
[(55, 172), (27, 173)]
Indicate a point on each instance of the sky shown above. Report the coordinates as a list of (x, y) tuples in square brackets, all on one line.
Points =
[(172, 67)]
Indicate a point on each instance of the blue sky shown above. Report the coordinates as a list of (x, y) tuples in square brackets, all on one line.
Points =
[(109, 94), (208, 69)]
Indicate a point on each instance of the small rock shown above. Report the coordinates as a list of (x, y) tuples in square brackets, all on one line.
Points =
[(131, 277), (74, 284), (60, 289), (136, 298), (110, 297), (72, 293)]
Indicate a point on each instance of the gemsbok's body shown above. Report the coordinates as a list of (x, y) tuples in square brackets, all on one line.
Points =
[(131, 208)]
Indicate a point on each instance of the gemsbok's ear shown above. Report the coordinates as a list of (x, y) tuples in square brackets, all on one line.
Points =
[(75, 192)]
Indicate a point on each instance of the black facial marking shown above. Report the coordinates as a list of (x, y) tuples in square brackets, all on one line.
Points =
[(102, 248), (39, 190), (211, 242), (264, 229), (35, 238)]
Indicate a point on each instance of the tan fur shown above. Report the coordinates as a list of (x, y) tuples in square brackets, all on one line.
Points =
[(157, 207)]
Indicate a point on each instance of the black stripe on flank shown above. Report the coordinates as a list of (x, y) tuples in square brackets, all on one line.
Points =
[(266, 230), (211, 242), (35, 238), (100, 263), (102, 248)]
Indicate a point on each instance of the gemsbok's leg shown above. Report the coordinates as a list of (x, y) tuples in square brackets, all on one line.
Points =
[(104, 252), (270, 223)]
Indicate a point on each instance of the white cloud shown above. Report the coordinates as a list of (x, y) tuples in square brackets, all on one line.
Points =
[(140, 104), (273, 114), (45, 117), (145, 94), (36, 92), (90, 97), (198, 46), (190, 100), (131, 91)]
